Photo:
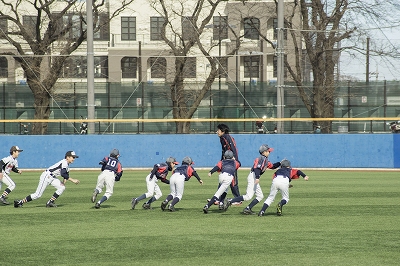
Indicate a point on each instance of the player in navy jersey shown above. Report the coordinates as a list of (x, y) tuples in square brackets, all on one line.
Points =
[(227, 168), (260, 165), (49, 177), (7, 165), (159, 172), (177, 183), (280, 182), (228, 143), (111, 172)]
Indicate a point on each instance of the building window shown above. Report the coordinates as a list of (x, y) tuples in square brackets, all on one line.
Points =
[(251, 28), (158, 67), (156, 26), (29, 23), (77, 23), (3, 27), (189, 70), (3, 67), (76, 67), (128, 28), (275, 64), (275, 25), (251, 66), (223, 67), (101, 67), (129, 67), (188, 31), (220, 27)]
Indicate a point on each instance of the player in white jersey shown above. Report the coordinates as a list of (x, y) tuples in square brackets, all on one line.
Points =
[(49, 177), (9, 164)]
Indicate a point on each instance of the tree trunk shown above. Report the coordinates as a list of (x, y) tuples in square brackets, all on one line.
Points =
[(42, 111)]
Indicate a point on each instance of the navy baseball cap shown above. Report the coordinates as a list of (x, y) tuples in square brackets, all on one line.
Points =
[(72, 154), (15, 148)]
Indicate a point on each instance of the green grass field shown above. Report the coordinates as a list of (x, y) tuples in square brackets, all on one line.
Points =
[(336, 218)]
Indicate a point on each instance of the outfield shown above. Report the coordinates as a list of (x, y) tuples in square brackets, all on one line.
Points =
[(336, 218)]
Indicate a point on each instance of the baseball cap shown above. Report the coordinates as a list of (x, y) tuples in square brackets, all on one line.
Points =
[(71, 153), (171, 160), (15, 148), (114, 152)]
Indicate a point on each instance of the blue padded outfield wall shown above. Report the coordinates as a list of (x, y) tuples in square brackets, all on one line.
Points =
[(143, 151)]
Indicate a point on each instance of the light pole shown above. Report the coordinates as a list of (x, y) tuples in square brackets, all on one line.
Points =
[(280, 78)]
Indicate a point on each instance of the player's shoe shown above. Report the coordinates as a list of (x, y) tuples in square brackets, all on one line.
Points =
[(134, 202), (146, 206), (221, 206), (3, 201), (97, 205), (248, 211), (205, 209), (94, 195), (227, 204), (164, 205), (237, 203), (171, 208), (17, 203), (279, 209), (261, 214), (50, 205)]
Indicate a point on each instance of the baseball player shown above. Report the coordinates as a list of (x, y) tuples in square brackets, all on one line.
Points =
[(49, 177), (227, 168), (9, 164), (228, 143), (159, 172), (280, 182), (177, 183), (111, 172), (260, 165)]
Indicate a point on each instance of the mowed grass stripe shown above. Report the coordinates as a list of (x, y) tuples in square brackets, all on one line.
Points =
[(336, 218)]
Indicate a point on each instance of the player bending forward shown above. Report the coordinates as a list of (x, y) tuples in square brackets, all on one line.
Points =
[(280, 182), (111, 172), (227, 168), (159, 172), (177, 183), (260, 165), (9, 164), (49, 177)]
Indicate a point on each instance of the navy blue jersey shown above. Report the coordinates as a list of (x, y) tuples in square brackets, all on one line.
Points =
[(187, 170), (228, 143), (286, 172), (261, 164), (226, 166), (160, 170), (112, 164)]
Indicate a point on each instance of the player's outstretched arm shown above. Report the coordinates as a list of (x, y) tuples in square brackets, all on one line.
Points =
[(73, 180)]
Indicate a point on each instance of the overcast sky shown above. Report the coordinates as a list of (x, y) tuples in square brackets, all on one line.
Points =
[(382, 68)]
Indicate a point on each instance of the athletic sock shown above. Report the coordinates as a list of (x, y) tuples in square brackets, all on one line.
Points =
[(103, 199), (264, 207), (141, 197), (253, 203), (153, 199), (211, 202)]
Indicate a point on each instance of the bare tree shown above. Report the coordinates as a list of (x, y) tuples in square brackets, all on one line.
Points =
[(38, 28), (194, 21), (327, 28)]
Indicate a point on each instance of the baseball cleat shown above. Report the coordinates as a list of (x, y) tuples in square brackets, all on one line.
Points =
[(261, 213), (94, 195), (227, 204), (237, 203), (134, 202), (279, 209), (205, 209), (17, 203), (171, 208), (50, 205), (164, 205), (146, 206), (97, 205), (221, 206), (3, 200), (248, 211)]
